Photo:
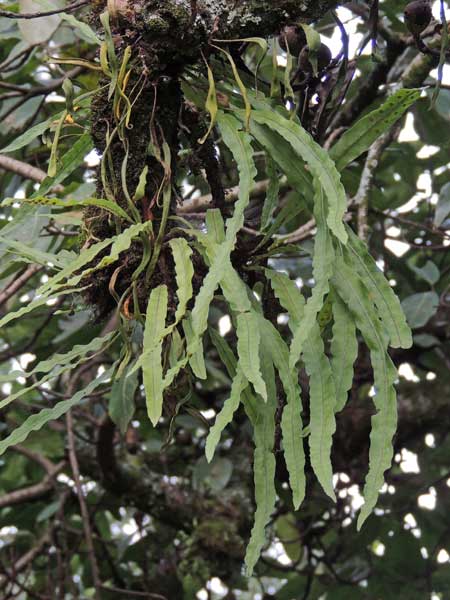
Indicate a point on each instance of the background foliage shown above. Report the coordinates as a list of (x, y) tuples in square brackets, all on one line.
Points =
[(156, 519)]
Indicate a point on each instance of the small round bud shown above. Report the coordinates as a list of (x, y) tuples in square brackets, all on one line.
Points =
[(295, 38), (418, 16)]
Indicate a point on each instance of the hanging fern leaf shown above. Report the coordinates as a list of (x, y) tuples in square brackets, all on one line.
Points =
[(263, 464), (152, 370), (389, 307), (344, 351), (356, 297)]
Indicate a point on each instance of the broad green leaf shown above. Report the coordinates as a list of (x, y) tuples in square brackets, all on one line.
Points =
[(121, 403), (389, 307), (356, 296), (318, 161), (358, 139), (248, 351), (184, 272), (323, 264), (429, 272), (443, 206), (84, 31), (225, 416), (152, 370), (419, 308), (263, 463), (290, 536), (37, 421), (344, 351)]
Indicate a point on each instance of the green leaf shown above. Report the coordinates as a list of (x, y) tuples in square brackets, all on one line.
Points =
[(184, 272), (322, 390), (344, 351), (248, 351), (59, 364), (111, 207), (58, 360), (196, 358), (152, 370), (225, 416), (121, 404), (322, 401), (85, 32), (429, 272), (37, 421), (291, 421), (443, 205), (356, 296), (229, 360), (419, 308), (389, 307), (323, 264), (71, 160), (239, 144), (318, 161), (273, 190), (263, 464), (358, 139), (30, 135), (211, 104)]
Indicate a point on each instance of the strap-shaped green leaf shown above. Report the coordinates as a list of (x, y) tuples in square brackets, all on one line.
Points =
[(37, 421), (225, 416), (386, 301), (322, 400), (344, 350), (54, 369), (111, 207), (291, 421), (152, 370), (57, 360), (263, 464), (322, 391), (228, 358), (356, 296), (239, 144), (323, 264), (184, 272), (121, 403), (196, 357), (358, 139), (248, 351), (318, 161)]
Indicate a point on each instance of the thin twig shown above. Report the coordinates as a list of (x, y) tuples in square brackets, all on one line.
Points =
[(12, 15), (18, 283), (25, 170), (84, 511)]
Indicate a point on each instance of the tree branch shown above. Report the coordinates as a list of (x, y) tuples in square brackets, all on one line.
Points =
[(12, 15)]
